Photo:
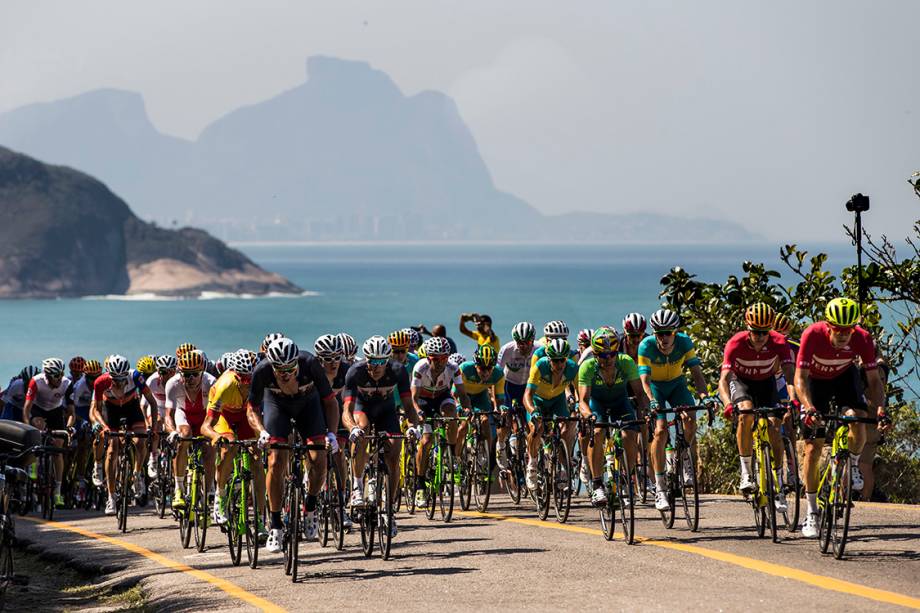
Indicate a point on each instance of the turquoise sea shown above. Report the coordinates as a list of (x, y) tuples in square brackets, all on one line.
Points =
[(373, 289)]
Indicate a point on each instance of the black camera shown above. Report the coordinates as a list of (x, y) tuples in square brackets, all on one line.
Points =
[(858, 204)]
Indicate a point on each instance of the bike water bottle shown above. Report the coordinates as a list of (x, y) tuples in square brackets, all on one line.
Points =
[(512, 441), (669, 458)]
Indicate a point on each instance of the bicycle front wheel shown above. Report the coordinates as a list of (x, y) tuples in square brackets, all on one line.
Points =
[(446, 489), (791, 485), (842, 503), (236, 522), (771, 492), (641, 470), (626, 498), (292, 530), (757, 502), (251, 524), (384, 514), (608, 511), (482, 476), (200, 510), (561, 482), (409, 478), (466, 476), (691, 500)]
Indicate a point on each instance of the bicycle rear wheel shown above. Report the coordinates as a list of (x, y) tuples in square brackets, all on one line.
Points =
[(690, 502), (236, 522), (124, 495), (791, 485), (608, 512), (292, 530), (409, 478), (577, 459), (369, 519), (668, 516), (482, 476), (561, 482), (826, 513), (337, 506), (542, 494), (384, 514), (432, 482), (323, 508), (446, 489), (185, 524), (641, 471), (626, 497), (843, 502)]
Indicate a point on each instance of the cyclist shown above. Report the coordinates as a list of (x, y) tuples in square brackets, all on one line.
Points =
[(328, 350), (116, 396), (483, 334), (514, 360), (484, 382), (584, 344), (750, 359), (403, 351), (14, 396), (371, 387), (80, 395), (545, 396), (227, 418), (602, 383), (156, 414), (146, 365), (438, 331), (825, 373), (634, 327), (270, 338), (553, 329), (186, 402), (75, 366), (44, 407), (290, 385), (662, 359), (349, 348), (432, 379)]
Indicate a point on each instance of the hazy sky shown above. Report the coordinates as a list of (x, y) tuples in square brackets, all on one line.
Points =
[(768, 113)]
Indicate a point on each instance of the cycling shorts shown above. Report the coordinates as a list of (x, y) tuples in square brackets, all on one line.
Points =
[(54, 418), (513, 392), (235, 423), (673, 393), (552, 407), (622, 410), (845, 390), (760, 392), (309, 420), (432, 407), (381, 415), (130, 412)]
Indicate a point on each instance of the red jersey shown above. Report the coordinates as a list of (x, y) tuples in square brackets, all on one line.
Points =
[(748, 363), (104, 389), (824, 361)]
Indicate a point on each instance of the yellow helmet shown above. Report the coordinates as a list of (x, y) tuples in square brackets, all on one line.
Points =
[(782, 324), (759, 316), (184, 348), (92, 368), (842, 312), (146, 365), (399, 339), (191, 361)]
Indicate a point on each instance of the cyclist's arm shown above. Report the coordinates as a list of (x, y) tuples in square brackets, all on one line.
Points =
[(875, 390), (348, 407), (416, 391), (27, 411), (699, 382), (584, 392), (528, 400), (464, 318), (802, 376), (725, 394), (95, 413), (789, 376), (254, 415), (152, 402), (646, 381), (638, 392), (207, 426), (463, 397), (331, 409), (71, 415)]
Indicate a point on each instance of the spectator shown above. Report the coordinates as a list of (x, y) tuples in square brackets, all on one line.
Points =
[(438, 330), (483, 334)]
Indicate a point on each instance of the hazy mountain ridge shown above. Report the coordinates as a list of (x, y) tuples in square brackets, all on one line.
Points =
[(63, 233), (343, 156)]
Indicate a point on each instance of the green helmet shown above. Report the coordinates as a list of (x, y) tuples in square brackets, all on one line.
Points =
[(605, 340), (557, 348)]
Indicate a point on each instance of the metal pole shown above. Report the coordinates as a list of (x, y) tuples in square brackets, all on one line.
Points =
[(859, 280)]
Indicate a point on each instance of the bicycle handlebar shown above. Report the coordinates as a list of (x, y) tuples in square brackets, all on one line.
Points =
[(850, 419)]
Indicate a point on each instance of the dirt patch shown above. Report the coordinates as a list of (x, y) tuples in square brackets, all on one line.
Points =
[(44, 583)]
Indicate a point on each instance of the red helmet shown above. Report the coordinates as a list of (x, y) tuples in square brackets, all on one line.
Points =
[(77, 364)]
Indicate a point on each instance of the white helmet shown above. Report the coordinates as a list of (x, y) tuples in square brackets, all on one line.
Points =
[(415, 339), (270, 338), (53, 367), (376, 348), (166, 361), (556, 329), (328, 346), (436, 345), (240, 362), (664, 319), (349, 346), (117, 365), (282, 352)]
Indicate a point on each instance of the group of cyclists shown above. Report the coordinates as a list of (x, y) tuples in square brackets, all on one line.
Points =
[(400, 383)]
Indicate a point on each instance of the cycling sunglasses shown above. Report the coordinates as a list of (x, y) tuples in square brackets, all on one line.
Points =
[(285, 369), (165, 371), (332, 360), (437, 358), (395, 350), (377, 361), (841, 329), (606, 355), (759, 332), (557, 360), (190, 374), (665, 333)]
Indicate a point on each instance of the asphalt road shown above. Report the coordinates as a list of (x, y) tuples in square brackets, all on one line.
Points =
[(508, 559)]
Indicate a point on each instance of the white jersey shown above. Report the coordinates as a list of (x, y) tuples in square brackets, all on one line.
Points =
[(587, 352), (431, 385), (82, 393), (15, 394), (158, 389), (515, 364), (45, 397), (177, 398)]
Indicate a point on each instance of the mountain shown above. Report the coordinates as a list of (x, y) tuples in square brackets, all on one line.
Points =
[(343, 156), (63, 233)]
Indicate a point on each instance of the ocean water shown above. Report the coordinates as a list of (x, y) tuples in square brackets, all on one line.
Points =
[(371, 289)]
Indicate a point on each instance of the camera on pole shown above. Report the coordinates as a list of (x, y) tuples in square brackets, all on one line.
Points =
[(859, 204)]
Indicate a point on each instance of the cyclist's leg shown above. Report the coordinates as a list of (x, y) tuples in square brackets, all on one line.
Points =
[(680, 395), (359, 448), (625, 411), (534, 430), (448, 408), (225, 429), (821, 393), (597, 448), (424, 445), (311, 424), (385, 419), (180, 462), (660, 439)]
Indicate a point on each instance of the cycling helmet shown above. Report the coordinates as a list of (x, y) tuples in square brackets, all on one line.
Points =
[(399, 339), (146, 365), (270, 338), (27, 373), (436, 345), (485, 356), (191, 361), (664, 320), (420, 352), (782, 324), (92, 368), (349, 346), (759, 316), (76, 364), (223, 362), (183, 348), (117, 366), (584, 336), (328, 346), (415, 339), (842, 312), (557, 348), (523, 332), (634, 323), (241, 362), (53, 367), (456, 359), (376, 348), (282, 352), (556, 329), (166, 361), (605, 340)]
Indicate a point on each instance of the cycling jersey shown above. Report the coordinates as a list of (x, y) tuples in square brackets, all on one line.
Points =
[(431, 385), (80, 395), (105, 390), (189, 411), (515, 364), (823, 361), (15, 393), (158, 388), (478, 388), (751, 364), (45, 397), (338, 381), (481, 339), (589, 373), (661, 367), (541, 378), (540, 352), (226, 394), (365, 391)]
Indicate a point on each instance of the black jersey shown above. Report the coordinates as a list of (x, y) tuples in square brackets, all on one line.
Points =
[(365, 391), (312, 385)]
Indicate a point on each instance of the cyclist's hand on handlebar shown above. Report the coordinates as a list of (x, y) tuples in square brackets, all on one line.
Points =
[(356, 433), (884, 421), (810, 418), (728, 411), (332, 442), (264, 437), (173, 437)]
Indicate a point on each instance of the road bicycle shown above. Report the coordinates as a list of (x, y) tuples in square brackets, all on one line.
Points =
[(330, 504), (163, 484), (553, 470), (618, 482), (764, 470), (377, 515), (681, 480), (441, 471), (193, 518), (512, 478), (243, 506), (476, 464), (124, 472)]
